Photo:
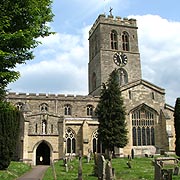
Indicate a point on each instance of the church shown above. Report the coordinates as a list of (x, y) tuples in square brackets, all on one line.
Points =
[(55, 125)]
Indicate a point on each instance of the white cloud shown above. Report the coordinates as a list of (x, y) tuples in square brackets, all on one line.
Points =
[(60, 66), (159, 43), (61, 63)]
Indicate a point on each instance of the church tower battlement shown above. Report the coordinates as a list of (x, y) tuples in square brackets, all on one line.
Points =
[(102, 18), (113, 43)]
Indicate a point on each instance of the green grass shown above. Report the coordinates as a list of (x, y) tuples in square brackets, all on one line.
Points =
[(142, 168), (15, 170)]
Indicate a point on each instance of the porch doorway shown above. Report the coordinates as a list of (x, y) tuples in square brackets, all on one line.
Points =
[(43, 154)]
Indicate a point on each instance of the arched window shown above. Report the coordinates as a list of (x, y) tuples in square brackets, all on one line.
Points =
[(123, 76), (125, 41), (70, 141), (94, 81), (67, 110), (114, 40), (143, 127), (89, 110), (96, 145), (44, 107), (19, 105), (44, 126)]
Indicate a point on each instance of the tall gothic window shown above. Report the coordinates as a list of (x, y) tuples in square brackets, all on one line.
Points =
[(67, 110), (123, 76), (44, 107), (96, 145), (70, 141), (114, 40), (125, 41), (89, 110), (143, 121)]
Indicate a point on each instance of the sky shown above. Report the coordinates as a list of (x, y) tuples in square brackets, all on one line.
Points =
[(60, 65)]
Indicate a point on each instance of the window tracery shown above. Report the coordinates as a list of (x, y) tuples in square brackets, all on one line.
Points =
[(114, 40), (67, 109), (125, 41), (96, 145), (19, 105), (43, 107), (89, 110), (143, 122), (70, 141)]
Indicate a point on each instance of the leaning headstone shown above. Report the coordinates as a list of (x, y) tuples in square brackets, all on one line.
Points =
[(95, 164), (128, 164), (103, 167), (80, 166), (88, 156), (100, 166), (109, 173), (176, 171), (132, 153)]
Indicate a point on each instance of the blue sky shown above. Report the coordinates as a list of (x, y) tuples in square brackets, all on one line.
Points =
[(61, 62)]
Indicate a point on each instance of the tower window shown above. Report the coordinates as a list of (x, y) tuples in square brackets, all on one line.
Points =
[(125, 41), (89, 110), (67, 110), (114, 40)]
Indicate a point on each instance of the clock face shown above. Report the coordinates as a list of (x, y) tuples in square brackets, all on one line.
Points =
[(120, 59)]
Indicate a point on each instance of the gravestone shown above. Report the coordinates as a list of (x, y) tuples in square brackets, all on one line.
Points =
[(80, 166), (101, 166), (65, 164), (88, 156), (164, 167), (176, 171)]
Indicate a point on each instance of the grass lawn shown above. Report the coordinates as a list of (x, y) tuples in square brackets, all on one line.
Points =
[(142, 168), (15, 170)]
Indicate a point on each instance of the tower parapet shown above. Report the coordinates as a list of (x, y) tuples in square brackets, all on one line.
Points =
[(110, 19)]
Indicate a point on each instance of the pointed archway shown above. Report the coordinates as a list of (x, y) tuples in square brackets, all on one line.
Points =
[(43, 154)]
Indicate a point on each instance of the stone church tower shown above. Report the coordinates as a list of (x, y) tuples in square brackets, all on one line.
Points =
[(108, 38), (113, 43), (55, 126)]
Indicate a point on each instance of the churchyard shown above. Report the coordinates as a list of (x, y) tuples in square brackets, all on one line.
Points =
[(124, 169), (139, 168)]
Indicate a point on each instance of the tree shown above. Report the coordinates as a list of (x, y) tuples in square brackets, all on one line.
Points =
[(9, 131), (112, 131), (177, 126), (21, 23)]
